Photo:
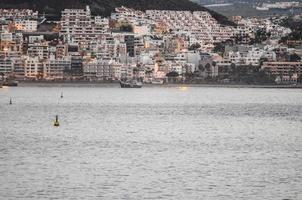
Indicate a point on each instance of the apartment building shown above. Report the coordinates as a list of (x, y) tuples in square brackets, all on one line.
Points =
[(18, 14), (101, 70), (55, 68), (283, 68), (78, 26), (26, 25), (33, 67), (200, 25), (40, 50)]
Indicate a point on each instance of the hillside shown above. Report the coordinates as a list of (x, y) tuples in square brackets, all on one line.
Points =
[(105, 7)]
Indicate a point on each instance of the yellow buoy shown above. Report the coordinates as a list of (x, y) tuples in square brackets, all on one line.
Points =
[(57, 123)]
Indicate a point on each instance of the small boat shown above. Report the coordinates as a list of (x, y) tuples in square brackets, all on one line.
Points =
[(10, 83), (262, 8), (131, 84), (157, 82)]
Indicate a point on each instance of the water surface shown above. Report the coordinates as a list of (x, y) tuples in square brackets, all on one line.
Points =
[(151, 143)]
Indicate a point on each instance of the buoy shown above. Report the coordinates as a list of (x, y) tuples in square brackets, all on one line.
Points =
[(10, 101), (62, 95), (56, 123)]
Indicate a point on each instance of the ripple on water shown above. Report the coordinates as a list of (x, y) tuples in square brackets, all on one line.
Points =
[(158, 143)]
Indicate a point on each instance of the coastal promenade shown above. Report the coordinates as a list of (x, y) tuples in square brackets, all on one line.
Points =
[(116, 84)]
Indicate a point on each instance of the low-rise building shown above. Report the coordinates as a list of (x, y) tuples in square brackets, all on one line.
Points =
[(284, 71), (33, 67), (101, 70), (55, 68)]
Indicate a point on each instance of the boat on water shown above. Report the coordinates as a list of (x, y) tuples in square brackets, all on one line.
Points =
[(10, 83), (157, 82), (262, 8), (131, 84)]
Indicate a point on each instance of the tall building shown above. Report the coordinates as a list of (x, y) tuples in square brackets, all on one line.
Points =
[(129, 40), (76, 68), (78, 26)]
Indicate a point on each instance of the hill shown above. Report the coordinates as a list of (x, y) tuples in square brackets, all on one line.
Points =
[(105, 7)]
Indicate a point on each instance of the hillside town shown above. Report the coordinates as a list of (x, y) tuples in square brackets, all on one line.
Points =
[(154, 46)]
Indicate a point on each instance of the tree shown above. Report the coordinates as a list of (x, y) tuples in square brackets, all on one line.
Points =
[(194, 46), (208, 69), (261, 35), (126, 28), (173, 74), (219, 48), (294, 58), (291, 73), (189, 75), (300, 79), (262, 60), (233, 67), (201, 68)]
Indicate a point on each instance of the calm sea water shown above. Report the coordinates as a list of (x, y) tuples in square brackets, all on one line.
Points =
[(151, 143)]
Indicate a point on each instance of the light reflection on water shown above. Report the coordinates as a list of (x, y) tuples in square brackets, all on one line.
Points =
[(151, 143)]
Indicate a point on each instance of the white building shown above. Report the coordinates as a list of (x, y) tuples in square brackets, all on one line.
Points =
[(40, 50), (33, 67), (78, 26), (54, 68), (6, 66), (26, 25), (102, 70)]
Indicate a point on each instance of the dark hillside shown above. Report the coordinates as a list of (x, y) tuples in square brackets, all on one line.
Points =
[(105, 7)]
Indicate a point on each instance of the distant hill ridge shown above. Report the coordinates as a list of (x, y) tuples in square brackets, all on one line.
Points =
[(105, 7)]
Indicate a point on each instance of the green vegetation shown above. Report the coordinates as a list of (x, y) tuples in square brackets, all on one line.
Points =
[(126, 28), (172, 74), (295, 25), (249, 75), (233, 74), (194, 46), (295, 35), (260, 36), (220, 47)]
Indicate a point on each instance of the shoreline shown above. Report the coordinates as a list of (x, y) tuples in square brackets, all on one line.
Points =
[(171, 85)]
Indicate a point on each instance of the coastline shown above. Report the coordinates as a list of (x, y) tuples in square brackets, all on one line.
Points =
[(170, 85)]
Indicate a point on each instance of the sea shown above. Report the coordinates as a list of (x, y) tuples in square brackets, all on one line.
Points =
[(248, 9), (151, 143)]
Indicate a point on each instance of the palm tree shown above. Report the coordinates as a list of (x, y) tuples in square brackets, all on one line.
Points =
[(233, 70), (295, 69), (233, 67), (2, 75), (291, 73), (214, 64), (208, 69), (200, 69)]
